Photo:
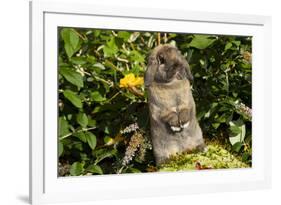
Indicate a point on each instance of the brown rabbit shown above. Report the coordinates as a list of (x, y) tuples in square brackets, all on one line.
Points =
[(174, 127)]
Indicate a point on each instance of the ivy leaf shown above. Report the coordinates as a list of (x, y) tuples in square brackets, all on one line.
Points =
[(91, 139), (72, 76), (73, 98), (201, 41), (82, 119), (71, 41), (96, 169), (76, 169)]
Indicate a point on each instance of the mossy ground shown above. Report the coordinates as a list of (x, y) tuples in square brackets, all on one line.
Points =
[(216, 157)]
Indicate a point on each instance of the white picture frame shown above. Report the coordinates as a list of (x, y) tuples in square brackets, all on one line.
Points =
[(46, 187)]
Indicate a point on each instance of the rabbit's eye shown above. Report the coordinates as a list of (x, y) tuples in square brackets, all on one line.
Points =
[(161, 59)]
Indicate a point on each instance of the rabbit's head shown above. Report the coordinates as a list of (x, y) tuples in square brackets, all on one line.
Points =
[(165, 64)]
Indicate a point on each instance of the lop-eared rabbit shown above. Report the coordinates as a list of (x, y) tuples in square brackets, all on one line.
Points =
[(173, 124)]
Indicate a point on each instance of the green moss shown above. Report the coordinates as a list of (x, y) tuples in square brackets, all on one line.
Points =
[(217, 157)]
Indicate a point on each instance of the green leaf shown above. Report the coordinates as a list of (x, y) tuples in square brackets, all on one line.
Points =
[(91, 139), (96, 169), (110, 49), (91, 59), (215, 125), (224, 117), (79, 60), (135, 56), (73, 98), (92, 122), (60, 147), (76, 169), (108, 140), (124, 35), (133, 170), (237, 146), (237, 43), (69, 50), (77, 146), (72, 76), (151, 41), (235, 130), (134, 36), (238, 131), (99, 65), (74, 39), (103, 153), (82, 119), (81, 136), (63, 126), (71, 41), (201, 41), (245, 157), (228, 46), (96, 96)]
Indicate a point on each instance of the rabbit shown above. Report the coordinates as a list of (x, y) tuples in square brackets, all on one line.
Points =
[(173, 124)]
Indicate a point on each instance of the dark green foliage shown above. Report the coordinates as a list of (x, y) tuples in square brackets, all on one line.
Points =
[(104, 128)]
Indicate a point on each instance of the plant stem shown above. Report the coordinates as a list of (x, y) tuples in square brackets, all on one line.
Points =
[(122, 60), (111, 65), (165, 38), (103, 80), (120, 170), (114, 96), (135, 91), (80, 35), (82, 130), (159, 38)]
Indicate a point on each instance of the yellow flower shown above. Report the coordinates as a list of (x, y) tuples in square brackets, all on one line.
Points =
[(130, 81)]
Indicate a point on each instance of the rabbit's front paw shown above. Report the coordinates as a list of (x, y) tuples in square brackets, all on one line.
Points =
[(173, 121), (184, 118), (175, 129)]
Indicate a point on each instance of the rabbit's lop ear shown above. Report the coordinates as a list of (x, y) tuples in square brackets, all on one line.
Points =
[(150, 70), (189, 76)]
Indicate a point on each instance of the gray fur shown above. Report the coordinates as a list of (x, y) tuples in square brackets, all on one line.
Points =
[(174, 127)]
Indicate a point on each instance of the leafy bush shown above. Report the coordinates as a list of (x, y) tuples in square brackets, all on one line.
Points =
[(103, 113)]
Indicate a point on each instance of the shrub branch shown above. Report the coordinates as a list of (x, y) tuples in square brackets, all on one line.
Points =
[(72, 133)]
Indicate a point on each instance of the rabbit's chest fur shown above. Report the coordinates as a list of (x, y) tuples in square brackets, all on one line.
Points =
[(169, 96)]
